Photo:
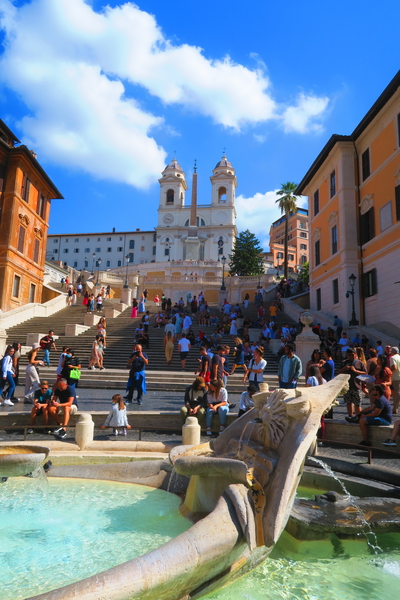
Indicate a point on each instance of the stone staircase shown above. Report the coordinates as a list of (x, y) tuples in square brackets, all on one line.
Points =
[(120, 339)]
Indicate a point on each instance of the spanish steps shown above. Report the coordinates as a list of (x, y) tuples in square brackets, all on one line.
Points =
[(120, 339)]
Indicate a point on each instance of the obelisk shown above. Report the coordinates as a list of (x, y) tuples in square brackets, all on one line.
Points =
[(192, 241)]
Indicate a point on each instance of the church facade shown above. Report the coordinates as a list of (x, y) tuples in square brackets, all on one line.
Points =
[(191, 232)]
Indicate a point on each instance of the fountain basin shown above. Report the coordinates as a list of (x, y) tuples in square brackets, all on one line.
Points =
[(16, 461)]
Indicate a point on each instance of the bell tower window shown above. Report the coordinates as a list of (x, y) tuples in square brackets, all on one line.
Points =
[(170, 196), (222, 195)]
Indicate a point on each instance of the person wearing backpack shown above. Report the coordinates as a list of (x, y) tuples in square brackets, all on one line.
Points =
[(47, 343)]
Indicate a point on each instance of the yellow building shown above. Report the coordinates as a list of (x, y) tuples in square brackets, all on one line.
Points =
[(298, 241), (353, 188)]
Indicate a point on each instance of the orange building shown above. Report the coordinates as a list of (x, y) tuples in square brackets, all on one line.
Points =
[(298, 242), (353, 189), (25, 195)]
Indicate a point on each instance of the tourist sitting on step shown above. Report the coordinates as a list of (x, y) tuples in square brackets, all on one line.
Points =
[(62, 405), (195, 402), (40, 406), (217, 402), (395, 432), (379, 413)]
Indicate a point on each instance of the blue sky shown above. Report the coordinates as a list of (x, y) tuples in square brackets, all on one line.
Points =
[(106, 95)]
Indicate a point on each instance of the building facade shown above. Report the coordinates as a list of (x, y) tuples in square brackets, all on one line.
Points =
[(25, 195), (298, 241), (215, 228), (354, 218)]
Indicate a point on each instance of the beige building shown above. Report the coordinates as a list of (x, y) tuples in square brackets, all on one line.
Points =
[(298, 242)]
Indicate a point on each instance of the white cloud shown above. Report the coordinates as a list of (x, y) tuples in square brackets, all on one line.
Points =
[(71, 66), (258, 212), (300, 118)]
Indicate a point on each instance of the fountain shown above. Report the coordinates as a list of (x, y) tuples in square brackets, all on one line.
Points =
[(16, 461), (240, 492)]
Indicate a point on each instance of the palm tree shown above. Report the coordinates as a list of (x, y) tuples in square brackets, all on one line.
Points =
[(287, 204)]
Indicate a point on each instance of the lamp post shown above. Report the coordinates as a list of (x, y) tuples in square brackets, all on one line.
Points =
[(94, 256), (98, 270), (126, 286), (223, 260), (352, 281), (259, 264)]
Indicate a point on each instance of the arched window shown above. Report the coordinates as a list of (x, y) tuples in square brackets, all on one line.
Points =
[(86, 263), (108, 263), (119, 264), (303, 259), (170, 196), (75, 264), (199, 221), (222, 195)]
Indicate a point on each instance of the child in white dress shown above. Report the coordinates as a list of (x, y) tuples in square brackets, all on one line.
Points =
[(117, 417)]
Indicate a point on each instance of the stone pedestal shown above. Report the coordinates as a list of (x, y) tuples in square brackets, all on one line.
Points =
[(191, 432), (306, 342), (84, 430), (126, 296), (111, 313), (221, 297), (91, 319)]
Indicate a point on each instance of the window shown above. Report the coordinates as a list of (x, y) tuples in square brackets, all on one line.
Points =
[(88, 239), (75, 264), (120, 239), (154, 237), (32, 292), (131, 244), (108, 263), (119, 249), (154, 250), (119, 264), (222, 195), (141, 248), (76, 240), (369, 284), (143, 237), (41, 206), (335, 291), (76, 250), (36, 250), (109, 249), (291, 256), (65, 250), (131, 256), (289, 237), (279, 255), (98, 249), (26, 186), (170, 196), (98, 239), (303, 259), (16, 286), (303, 246), (367, 226), (87, 250), (303, 225), (86, 263), (199, 222), (55, 251), (166, 251), (317, 248), (318, 297), (66, 240), (334, 239), (303, 234), (332, 179), (108, 239), (385, 215), (316, 203), (397, 194), (21, 239), (365, 165), (55, 241)]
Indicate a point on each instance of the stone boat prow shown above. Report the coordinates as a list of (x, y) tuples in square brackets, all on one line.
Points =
[(240, 493)]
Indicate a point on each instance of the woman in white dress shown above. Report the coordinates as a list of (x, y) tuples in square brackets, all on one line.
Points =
[(233, 330)]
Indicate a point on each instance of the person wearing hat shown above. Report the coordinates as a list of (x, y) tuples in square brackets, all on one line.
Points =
[(394, 364), (32, 381), (195, 402)]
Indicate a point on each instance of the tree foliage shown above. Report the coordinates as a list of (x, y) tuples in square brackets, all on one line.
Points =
[(304, 275), (287, 204), (246, 255)]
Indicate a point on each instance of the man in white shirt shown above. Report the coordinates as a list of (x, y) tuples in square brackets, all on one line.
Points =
[(183, 349), (187, 322), (170, 327), (395, 368)]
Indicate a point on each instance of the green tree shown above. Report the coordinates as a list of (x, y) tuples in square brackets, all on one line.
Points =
[(287, 204), (305, 273), (245, 257)]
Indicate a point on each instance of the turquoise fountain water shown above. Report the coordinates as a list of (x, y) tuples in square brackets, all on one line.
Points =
[(65, 530)]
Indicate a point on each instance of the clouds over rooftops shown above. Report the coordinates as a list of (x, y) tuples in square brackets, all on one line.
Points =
[(71, 66)]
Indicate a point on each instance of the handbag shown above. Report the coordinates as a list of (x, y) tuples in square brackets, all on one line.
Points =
[(75, 374)]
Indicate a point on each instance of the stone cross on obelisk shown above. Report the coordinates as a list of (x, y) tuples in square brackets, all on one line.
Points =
[(192, 241)]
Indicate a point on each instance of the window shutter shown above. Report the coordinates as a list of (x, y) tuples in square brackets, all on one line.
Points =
[(374, 284), (36, 251), (397, 192), (21, 239)]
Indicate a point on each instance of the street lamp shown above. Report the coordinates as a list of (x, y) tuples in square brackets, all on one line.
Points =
[(223, 260), (126, 286), (94, 256), (260, 264), (352, 281), (98, 271)]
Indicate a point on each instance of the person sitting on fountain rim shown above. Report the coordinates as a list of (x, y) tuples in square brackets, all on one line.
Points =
[(217, 399), (246, 400), (195, 400), (378, 413), (63, 403)]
